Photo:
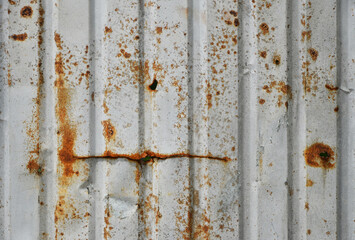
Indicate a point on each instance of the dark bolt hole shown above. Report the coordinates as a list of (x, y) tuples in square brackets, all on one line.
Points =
[(154, 85)]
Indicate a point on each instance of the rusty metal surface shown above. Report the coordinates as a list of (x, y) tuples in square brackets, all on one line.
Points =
[(169, 119)]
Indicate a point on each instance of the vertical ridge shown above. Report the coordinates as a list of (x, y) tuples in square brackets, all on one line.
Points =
[(4, 119)]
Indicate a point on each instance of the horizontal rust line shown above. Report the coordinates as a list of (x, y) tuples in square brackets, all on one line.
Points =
[(148, 155)]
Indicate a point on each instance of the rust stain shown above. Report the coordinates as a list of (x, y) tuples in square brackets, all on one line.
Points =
[(263, 54), (236, 22), (26, 12), (309, 232), (261, 101), (19, 37), (306, 35), (330, 87), (234, 13), (313, 53), (276, 59), (336, 109), (57, 41), (12, 2), (264, 28), (320, 155), (309, 183), (147, 156), (107, 229), (158, 30), (306, 206), (33, 165), (109, 130), (108, 30)]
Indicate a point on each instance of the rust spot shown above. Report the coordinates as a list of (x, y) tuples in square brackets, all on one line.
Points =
[(276, 59), (319, 155), (12, 2), (236, 22), (229, 22), (158, 30), (109, 130), (234, 39), (313, 53), (26, 12), (336, 109), (261, 101), (330, 87), (19, 37), (309, 231), (154, 85), (309, 183), (263, 54), (34, 168), (234, 13), (306, 206), (264, 28), (209, 100), (108, 30), (306, 35)]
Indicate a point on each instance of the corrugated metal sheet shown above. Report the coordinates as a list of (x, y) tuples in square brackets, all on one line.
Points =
[(171, 119)]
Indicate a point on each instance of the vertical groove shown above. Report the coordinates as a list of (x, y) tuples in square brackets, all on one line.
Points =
[(190, 91), (247, 123), (4, 128)]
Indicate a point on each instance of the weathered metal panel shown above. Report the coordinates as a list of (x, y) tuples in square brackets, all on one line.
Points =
[(167, 119)]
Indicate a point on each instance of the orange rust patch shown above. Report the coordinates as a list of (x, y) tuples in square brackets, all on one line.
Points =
[(57, 40), (276, 59), (263, 54), (12, 2), (108, 30), (264, 28), (309, 183), (306, 35), (320, 155), (26, 12), (19, 37), (313, 53), (261, 101), (336, 109), (109, 130), (34, 168), (309, 231), (330, 87), (158, 30), (209, 100)]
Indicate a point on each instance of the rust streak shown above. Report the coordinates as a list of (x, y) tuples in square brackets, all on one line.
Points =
[(150, 155)]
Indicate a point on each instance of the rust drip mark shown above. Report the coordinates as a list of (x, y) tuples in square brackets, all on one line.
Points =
[(19, 37), (320, 155), (154, 85), (148, 156), (336, 109), (276, 60), (313, 53), (306, 206), (67, 131), (264, 28), (306, 35), (33, 165), (26, 12), (107, 227)]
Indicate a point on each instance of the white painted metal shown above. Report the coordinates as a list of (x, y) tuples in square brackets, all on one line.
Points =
[(167, 119)]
